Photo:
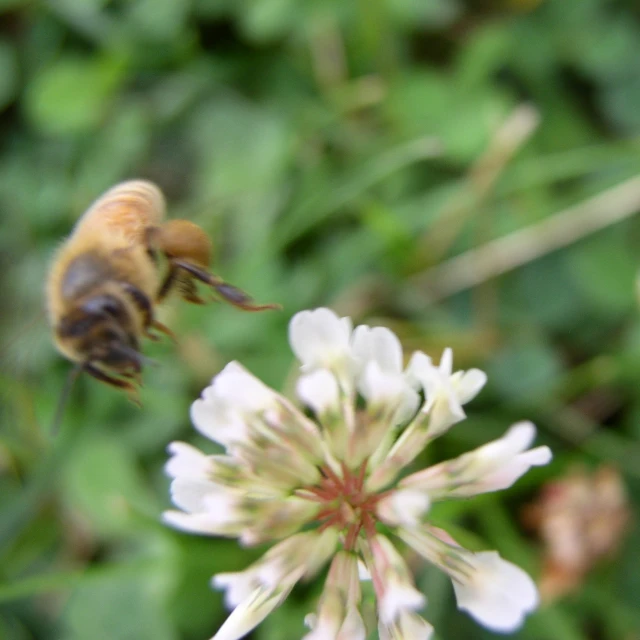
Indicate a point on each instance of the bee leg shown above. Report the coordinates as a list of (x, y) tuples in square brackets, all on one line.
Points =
[(136, 376), (141, 301), (158, 326), (153, 238), (228, 292), (144, 304), (166, 286), (189, 291), (126, 386), (239, 298)]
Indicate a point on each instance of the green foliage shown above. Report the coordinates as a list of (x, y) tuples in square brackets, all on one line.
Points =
[(340, 154), (72, 95)]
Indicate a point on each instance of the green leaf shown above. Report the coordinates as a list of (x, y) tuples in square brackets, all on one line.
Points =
[(604, 268), (127, 607), (265, 20), (554, 622), (73, 95), (418, 102), (471, 120), (544, 293), (102, 483), (432, 13), (620, 103), (243, 147), (525, 370), (114, 151), (482, 55), (158, 20)]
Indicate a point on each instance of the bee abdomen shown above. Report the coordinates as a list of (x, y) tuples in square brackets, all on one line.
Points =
[(127, 209)]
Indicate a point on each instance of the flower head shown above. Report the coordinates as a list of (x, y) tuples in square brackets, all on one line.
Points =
[(323, 483)]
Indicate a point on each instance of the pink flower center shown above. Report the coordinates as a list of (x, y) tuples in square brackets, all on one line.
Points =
[(345, 504)]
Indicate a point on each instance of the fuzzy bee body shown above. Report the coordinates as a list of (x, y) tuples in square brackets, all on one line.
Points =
[(107, 279)]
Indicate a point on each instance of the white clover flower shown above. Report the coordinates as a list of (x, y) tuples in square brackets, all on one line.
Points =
[(323, 487)]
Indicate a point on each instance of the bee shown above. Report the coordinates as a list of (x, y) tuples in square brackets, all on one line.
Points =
[(121, 260)]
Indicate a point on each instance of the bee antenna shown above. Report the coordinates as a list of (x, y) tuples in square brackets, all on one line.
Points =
[(64, 397)]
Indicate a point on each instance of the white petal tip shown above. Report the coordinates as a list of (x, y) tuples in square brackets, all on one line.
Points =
[(543, 456)]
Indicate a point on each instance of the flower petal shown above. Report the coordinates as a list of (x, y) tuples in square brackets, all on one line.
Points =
[(260, 588), (190, 495), (381, 387), (505, 476), (403, 507), (443, 404), (217, 421), (222, 413), (338, 615), (418, 368), (399, 597), (320, 338), (206, 523), (238, 586), (187, 461), (469, 384), (319, 391), (409, 626), (392, 581), (446, 362), (250, 613), (242, 390), (379, 345), (498, 594), (492, 467)]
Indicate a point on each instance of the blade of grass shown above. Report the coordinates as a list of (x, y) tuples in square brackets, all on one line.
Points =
[(327, 202), (525, 245)]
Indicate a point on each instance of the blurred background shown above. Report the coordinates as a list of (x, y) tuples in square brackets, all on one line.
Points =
[(464, 172)]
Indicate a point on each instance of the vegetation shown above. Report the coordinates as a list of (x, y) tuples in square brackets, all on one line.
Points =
[(463, 172)]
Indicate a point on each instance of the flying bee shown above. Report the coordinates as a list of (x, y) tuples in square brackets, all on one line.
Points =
[(121, 260)]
